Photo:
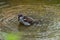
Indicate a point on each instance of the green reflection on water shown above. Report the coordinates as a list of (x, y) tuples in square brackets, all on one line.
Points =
[(13, 36)]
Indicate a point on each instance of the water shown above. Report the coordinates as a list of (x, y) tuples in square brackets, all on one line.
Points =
[(48, 28)]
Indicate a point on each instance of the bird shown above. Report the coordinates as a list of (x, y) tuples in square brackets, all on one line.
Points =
[(25, 20)]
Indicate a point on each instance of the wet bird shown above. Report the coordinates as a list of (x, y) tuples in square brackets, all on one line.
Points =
[(27, 21)]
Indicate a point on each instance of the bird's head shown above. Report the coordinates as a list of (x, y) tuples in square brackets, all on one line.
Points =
[(20, 15)]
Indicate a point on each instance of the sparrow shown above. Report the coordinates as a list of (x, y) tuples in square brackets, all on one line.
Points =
[(25, 20)]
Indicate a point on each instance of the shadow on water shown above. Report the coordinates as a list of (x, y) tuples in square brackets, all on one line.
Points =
[(22, 27)]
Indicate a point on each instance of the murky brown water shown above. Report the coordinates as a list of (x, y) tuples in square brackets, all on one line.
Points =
[(48, 29)]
